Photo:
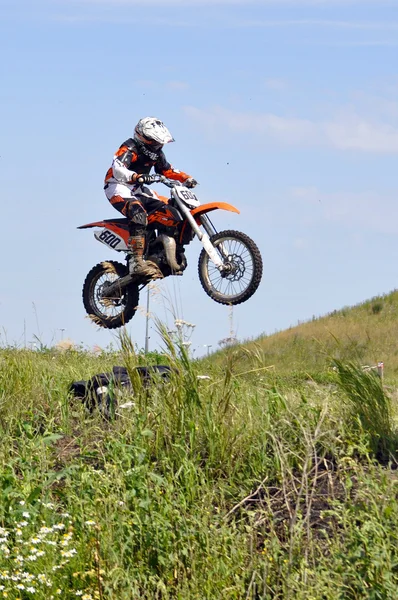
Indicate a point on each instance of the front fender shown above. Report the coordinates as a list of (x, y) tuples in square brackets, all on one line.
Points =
[(205, 208)]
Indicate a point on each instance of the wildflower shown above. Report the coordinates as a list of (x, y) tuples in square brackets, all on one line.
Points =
[(121, 503), (20, 586), (22, 524), (22, 502), (90, 523), (31, 590), (18, 532), (79, 593), (1, 588), (87, 597), (26, 515), (58, 526), (35, 540), (45, 530), (66, 538), (68, 553), (59, 591)]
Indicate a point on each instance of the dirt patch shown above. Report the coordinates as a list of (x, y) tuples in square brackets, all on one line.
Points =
[(301, 500), (66, 449)]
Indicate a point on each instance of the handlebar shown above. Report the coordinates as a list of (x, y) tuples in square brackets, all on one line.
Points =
[(161, 179)]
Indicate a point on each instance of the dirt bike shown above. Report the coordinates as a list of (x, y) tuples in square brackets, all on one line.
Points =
[(230, 265)]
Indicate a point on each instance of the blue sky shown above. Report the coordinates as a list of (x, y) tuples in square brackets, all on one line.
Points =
[(287, 109)]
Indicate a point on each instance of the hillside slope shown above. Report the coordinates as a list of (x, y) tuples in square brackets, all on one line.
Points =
[(366, 333)]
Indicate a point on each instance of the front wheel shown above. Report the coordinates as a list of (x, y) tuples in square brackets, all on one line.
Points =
[(109, 312), (243, 272)]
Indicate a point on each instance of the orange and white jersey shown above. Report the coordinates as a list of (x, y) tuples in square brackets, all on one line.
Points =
[(133, 158)]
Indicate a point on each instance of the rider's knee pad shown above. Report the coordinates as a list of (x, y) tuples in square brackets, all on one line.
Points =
[(137, 215)]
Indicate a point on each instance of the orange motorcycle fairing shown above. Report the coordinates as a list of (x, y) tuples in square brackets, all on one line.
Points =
[(205, 208), (162, 217), (118, 226)]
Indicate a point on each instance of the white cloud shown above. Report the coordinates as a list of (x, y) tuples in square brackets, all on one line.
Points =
[(345, 131), (300, 243), (363, 44), (228, 21), (177, 85), (174, 85), (276, 84), (237, 2), (146, 83), (330, 23), (372, 211)]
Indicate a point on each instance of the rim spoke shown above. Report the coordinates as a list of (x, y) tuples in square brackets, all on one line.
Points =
[(108, 307), (240, 259)]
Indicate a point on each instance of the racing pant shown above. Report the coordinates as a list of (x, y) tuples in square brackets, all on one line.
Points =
[(139, 203)]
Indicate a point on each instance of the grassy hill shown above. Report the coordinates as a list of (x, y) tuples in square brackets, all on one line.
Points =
[(366, 333), (258, 483)]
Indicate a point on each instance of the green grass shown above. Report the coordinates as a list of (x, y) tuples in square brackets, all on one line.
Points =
[(259, 483), (366, 333)]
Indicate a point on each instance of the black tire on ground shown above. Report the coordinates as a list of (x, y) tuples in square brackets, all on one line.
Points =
[(124, 305), (247, 283)]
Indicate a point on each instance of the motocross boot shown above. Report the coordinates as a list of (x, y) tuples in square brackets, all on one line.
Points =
[(137, 264)]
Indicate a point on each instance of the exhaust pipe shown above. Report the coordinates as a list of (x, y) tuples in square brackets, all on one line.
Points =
[(170, 248)]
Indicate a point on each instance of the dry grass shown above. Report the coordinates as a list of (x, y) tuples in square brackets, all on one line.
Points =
[(366, 333)]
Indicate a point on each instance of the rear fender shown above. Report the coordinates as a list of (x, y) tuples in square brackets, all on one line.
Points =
[(96, 224), (113, 234)]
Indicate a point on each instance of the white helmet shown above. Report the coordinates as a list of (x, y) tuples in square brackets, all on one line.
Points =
[(152, 132)]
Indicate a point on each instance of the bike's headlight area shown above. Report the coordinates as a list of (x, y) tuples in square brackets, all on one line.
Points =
[(187, 196), (192, 204)]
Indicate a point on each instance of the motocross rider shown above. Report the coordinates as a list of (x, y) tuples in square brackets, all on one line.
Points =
[(130, 168)]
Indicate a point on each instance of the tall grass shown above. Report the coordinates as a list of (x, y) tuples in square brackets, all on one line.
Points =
[(369, 406), (244, 486)]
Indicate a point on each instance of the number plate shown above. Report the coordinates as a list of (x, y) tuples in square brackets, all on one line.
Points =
[(111, 239), (187, 196)]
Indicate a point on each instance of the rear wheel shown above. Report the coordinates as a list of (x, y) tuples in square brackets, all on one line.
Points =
[(244, 268), (109, 312)]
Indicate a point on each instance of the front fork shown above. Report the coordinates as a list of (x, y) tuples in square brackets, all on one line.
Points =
[(204, 237), (211, 230), (207, 225)]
